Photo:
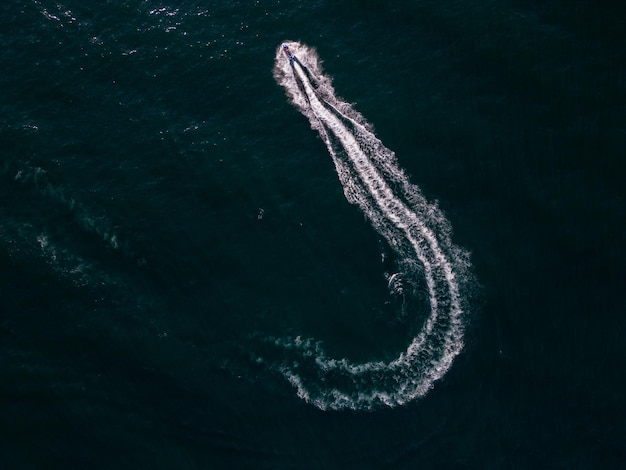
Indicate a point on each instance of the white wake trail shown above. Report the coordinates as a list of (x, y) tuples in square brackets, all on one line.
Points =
[(415, 229)]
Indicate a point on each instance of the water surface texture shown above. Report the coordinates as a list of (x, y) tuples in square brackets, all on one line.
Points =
[(405, 251)]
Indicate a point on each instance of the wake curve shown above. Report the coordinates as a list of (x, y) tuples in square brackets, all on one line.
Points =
[(414, 228)]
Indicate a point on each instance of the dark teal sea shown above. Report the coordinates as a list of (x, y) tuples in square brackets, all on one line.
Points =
[(164, 210)]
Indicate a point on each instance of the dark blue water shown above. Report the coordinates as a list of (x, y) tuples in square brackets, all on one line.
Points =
[(165, 211)]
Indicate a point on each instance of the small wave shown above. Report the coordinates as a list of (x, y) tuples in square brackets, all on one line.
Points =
[(99, 225)]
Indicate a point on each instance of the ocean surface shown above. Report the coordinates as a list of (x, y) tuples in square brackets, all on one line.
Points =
[(404, 249)]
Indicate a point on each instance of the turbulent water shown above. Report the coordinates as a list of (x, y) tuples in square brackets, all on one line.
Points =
[(414, 228)]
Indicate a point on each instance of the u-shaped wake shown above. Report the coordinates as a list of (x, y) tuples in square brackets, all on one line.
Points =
[(414, 228)]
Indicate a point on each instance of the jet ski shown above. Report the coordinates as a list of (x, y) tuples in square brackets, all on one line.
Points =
[(290, 56)]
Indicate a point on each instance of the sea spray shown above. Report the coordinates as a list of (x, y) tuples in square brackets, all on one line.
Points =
[(415, 229)]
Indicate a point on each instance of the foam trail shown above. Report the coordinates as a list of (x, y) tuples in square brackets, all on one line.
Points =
[(414, 228)]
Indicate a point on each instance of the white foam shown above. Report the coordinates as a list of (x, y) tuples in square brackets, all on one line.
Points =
[(414, 228)]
